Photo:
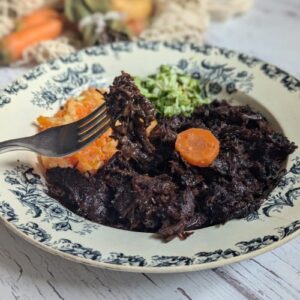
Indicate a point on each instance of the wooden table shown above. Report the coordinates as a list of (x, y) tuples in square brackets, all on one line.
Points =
[(271, 31)]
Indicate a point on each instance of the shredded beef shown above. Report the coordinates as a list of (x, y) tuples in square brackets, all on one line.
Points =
[(147, 186), (134, 114)]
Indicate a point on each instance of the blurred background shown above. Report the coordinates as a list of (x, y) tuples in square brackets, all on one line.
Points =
[(33, 31)]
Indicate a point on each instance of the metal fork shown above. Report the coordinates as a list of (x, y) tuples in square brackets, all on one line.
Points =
[(63, 140)]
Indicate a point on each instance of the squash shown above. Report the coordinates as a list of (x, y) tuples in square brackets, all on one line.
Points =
[(134, 9)]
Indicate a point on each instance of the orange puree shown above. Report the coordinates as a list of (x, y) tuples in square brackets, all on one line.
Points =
[(92, 157)]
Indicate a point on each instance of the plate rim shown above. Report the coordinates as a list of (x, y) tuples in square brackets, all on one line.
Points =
[(149, 269)]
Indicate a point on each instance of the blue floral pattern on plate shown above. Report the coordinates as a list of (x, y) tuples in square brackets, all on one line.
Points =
[(67, 83), (26, 205), (30, 189), (115, 258)]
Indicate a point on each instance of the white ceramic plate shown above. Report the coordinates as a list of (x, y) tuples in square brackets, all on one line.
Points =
[(29, 211)]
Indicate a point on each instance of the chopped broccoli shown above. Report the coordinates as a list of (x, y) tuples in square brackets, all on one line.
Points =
[(171, 91)]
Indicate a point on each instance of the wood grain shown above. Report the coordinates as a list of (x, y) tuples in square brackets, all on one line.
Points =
[(29, 273), (271, 32)]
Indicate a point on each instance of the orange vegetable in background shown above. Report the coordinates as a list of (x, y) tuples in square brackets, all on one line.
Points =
[(37, 17), (133, 9), (137, 26), (136, 12), (13, 45), (199, 147)]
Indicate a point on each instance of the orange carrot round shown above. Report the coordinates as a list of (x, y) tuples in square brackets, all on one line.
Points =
[(13, 45), (199, 147), (37, 17)]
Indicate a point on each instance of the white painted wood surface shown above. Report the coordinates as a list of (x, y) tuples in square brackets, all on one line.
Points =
[(271, 31)]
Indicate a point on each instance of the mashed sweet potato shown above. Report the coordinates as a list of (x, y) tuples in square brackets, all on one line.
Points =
[(92, 157)]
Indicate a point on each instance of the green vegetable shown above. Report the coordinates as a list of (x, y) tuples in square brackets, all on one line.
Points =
[(76, 10), (171, 91)]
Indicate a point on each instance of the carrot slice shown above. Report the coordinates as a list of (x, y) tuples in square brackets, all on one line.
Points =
[(199, 147)]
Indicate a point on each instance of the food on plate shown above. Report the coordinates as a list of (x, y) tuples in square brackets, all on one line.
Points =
[(171, 91), (92, 157), (153, 185), (199, 147)]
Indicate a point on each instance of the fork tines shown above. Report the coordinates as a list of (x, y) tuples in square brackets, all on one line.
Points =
[(92, 126)]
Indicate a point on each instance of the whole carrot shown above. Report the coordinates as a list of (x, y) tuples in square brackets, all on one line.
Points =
[(13, 45), (37, 17)]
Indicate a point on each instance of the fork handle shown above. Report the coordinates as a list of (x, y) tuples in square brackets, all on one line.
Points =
[(14, 145)]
